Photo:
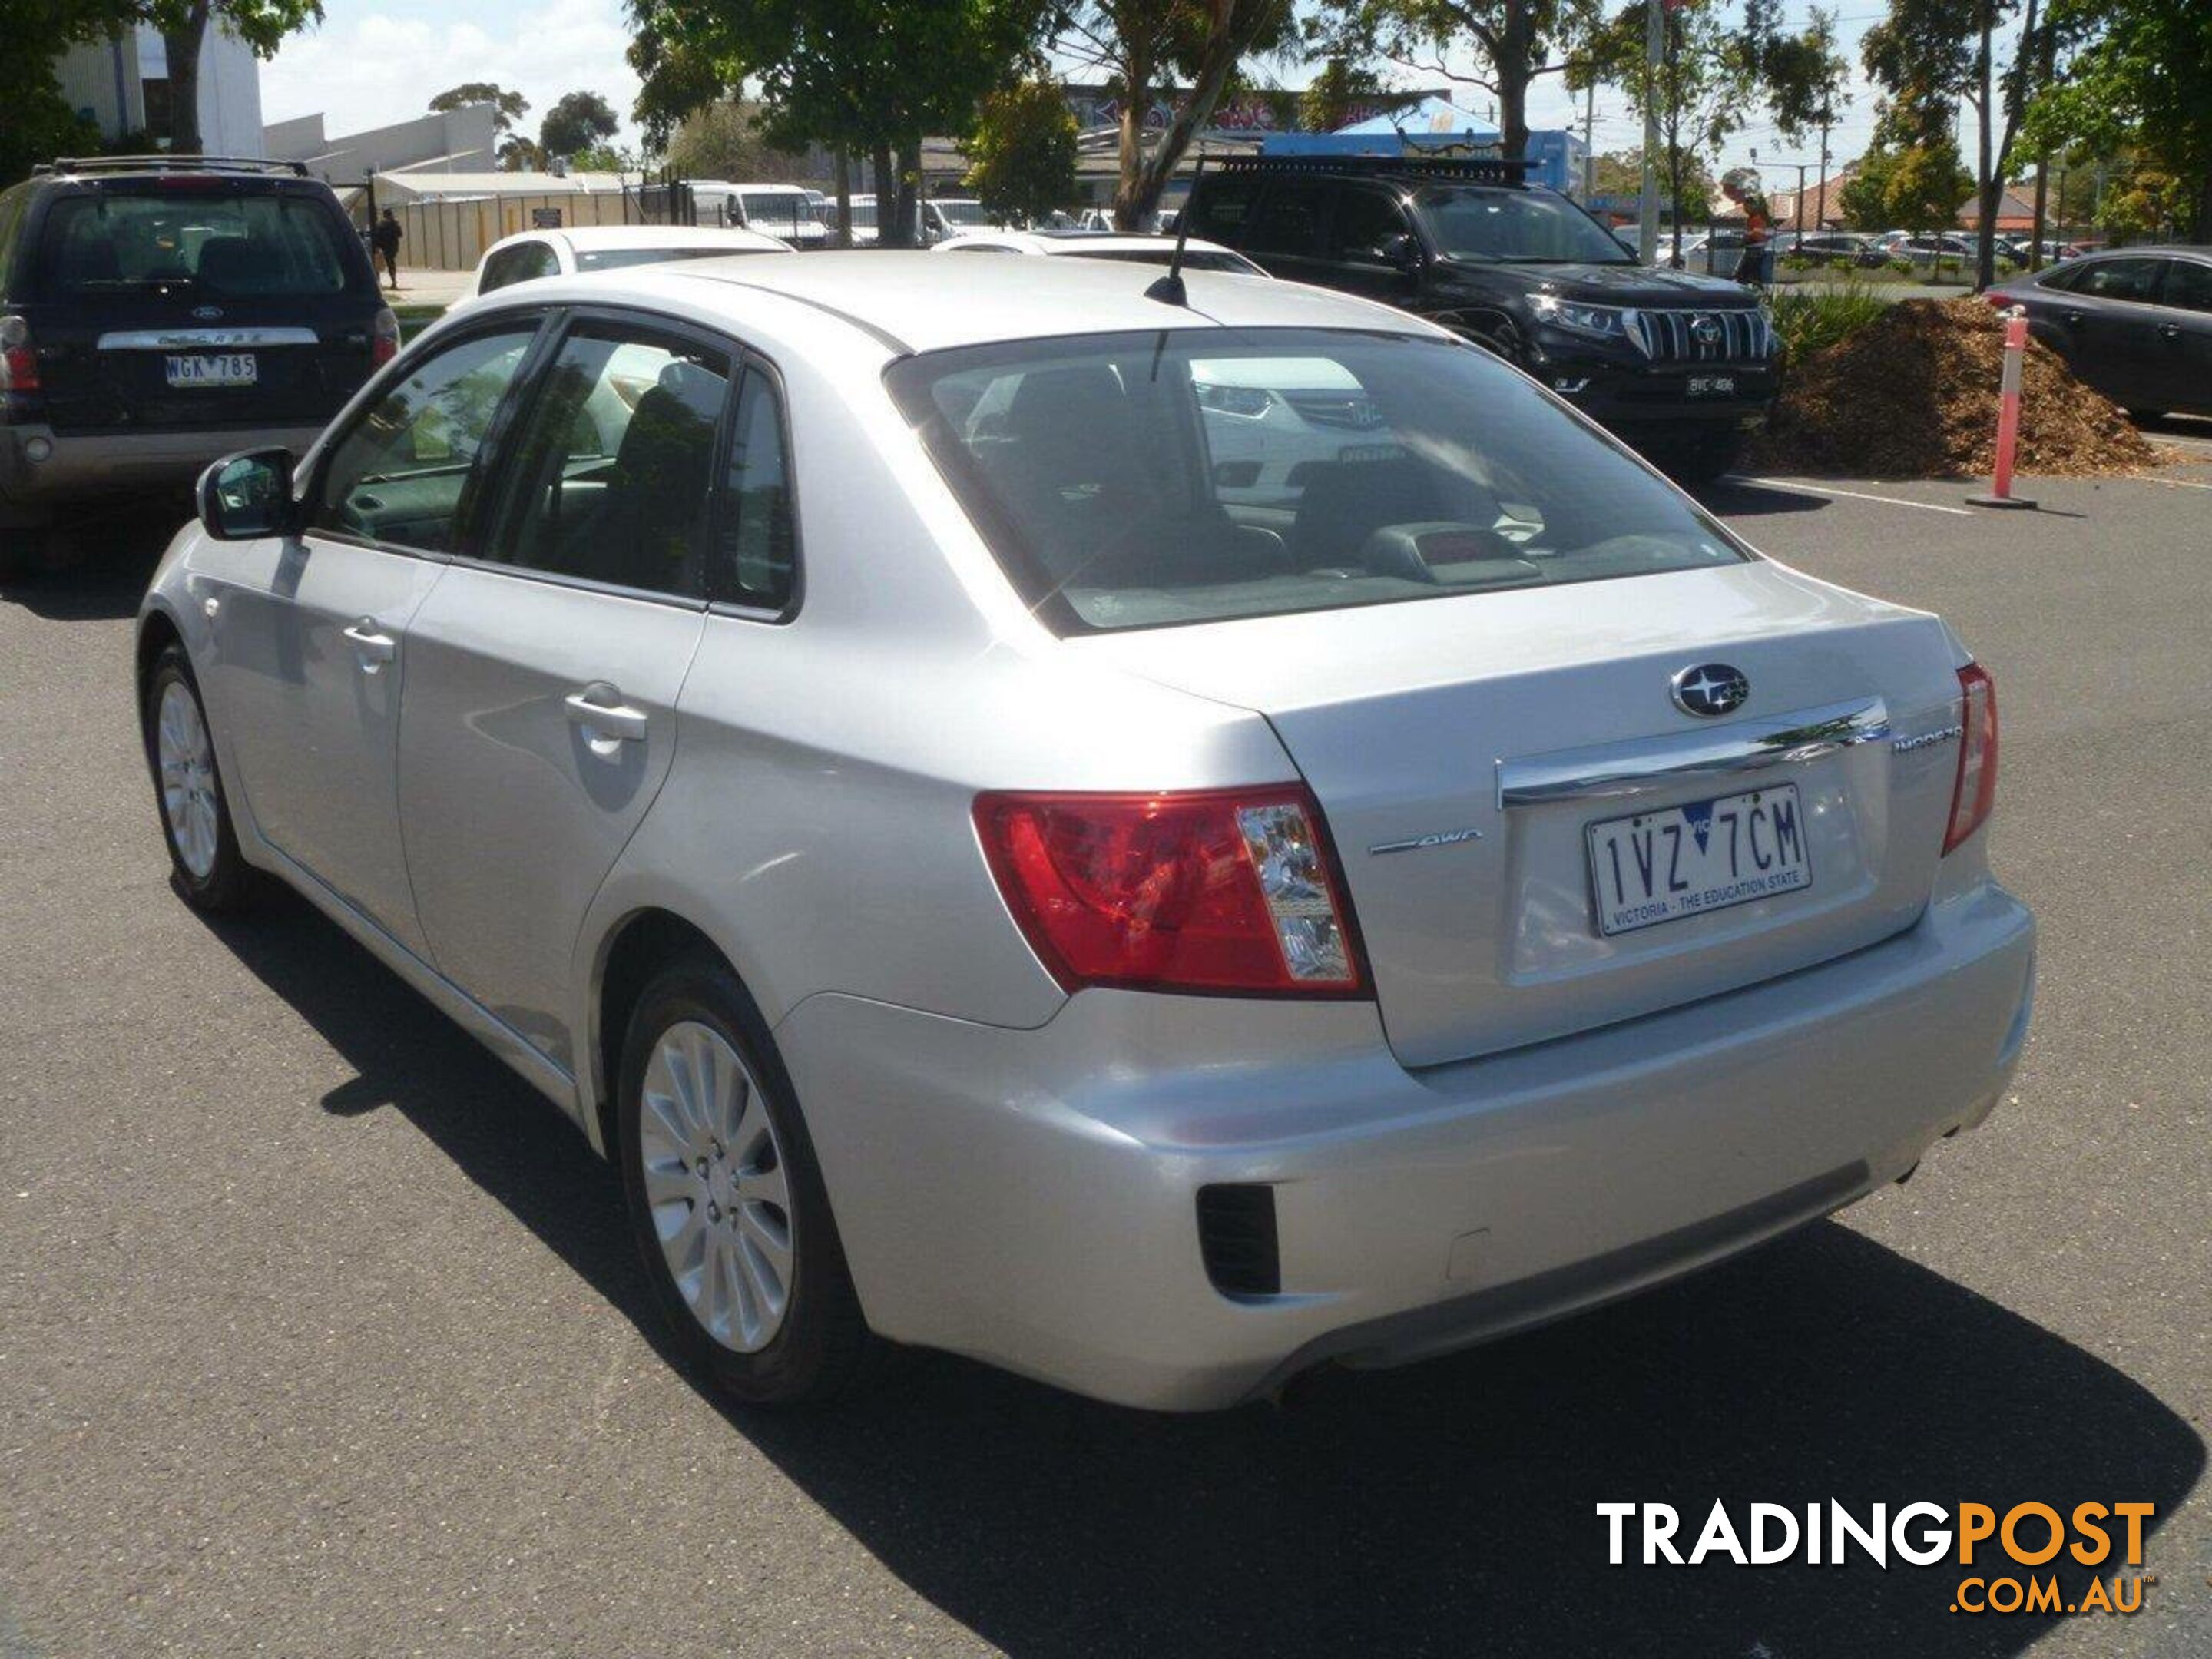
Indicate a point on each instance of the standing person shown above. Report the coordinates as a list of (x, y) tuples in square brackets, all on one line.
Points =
[(385, 238), (1741, 185)]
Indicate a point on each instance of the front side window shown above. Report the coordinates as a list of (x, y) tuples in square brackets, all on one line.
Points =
[(2133, 279), (614, 462), (1475, 222), (1369, 228), (402, 472), (113, 242), (1136, 480)]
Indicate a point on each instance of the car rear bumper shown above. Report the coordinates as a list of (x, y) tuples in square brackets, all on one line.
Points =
[(1030, 1198), (42, 470)]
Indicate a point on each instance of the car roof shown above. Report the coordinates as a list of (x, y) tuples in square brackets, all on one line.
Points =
[(918, 302)]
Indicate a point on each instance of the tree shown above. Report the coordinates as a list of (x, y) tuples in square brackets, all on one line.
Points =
[(1022, 154), (871, 76), (1344, 92), (577, 121), (1915, 187), (261, 24), (2134, 77), (1517, 42), (1620, 172), (724, 140), (1139, 43), (508, 107)]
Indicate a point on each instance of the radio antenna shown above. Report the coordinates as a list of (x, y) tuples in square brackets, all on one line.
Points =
[(1169, 290)]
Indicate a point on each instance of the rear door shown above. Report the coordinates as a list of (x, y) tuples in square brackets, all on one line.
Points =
[(542, 676), (1289, 230), (197, 300), (311, 632), (2184, 330)]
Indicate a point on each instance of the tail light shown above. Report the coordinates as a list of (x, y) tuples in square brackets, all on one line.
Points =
[(1977, 787), (384, 338), (1224, 890), (19, 361)]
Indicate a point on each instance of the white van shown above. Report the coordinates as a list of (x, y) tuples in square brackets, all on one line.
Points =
[(787, 212)]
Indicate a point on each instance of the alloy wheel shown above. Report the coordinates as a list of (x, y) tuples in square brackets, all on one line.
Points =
[(188, 789)]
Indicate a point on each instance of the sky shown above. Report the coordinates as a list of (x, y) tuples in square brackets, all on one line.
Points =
[(377, 61)]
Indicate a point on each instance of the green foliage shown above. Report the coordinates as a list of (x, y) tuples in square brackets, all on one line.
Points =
[(41, 124), (1708, 86), (724, 141), (1920, 188), (1620, 172), (1514, 42), (1923, 58), (579, 121), (1811, 317), (606, 158), (1337, 96), (2134, 75), (1023, 151), (2145, 203), (508, 107)]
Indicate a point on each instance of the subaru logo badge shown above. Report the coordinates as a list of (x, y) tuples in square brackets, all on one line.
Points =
[(208, 314), (1711, 689), (1706, 329)]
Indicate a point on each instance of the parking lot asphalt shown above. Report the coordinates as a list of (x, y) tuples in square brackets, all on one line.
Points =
[(320, 1333)]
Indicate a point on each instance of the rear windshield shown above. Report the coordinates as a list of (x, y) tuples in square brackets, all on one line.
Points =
[(111, 242), (1139, 480), (616, 258)]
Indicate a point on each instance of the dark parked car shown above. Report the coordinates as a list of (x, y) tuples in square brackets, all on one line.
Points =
[(2135, 322), (1679, 364), (159, 311)]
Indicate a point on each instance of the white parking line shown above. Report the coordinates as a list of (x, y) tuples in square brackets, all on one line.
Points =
[(2174, 484), (1855, 495)]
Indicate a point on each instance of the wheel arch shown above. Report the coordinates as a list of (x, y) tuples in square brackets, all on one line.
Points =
[(638, 946), (157, 632)]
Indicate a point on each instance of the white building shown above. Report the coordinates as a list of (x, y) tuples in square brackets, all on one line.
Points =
[(123, 85)]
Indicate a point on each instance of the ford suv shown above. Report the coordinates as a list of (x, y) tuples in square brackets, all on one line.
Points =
[(1679, 364), (158, 311)]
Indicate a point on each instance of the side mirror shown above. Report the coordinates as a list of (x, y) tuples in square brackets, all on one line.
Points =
[(247, 496)]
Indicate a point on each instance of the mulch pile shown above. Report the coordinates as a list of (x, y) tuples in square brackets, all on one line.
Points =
[(1914, 395)]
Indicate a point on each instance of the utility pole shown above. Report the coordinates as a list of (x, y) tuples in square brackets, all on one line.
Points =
[(1647, 209), (1821, 209), (1589, 142)]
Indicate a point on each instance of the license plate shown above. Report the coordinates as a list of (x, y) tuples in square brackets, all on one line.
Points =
[(1712, 386), (214, 368), (1684, 860)]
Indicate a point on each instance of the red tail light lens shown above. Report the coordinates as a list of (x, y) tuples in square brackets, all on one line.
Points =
[(384, 338), (1976, 790), (1232, 890), (19, 361)]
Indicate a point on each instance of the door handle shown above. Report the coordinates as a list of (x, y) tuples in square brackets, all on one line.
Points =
[(609, 718), (2073, 319), (2172, 330), (374, 646)]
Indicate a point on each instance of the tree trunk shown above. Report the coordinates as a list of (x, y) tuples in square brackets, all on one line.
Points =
[(844, 196), (2202, 233), (909, 192), (889, 232), (1237, 23), (182, 48), (1136, 103), (1511, 73)]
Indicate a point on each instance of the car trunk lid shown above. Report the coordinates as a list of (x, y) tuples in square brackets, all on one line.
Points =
[(1462, 748)]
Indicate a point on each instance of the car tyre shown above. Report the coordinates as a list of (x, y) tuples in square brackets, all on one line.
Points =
[(726, 1200), (207, 870), (2145, 416)]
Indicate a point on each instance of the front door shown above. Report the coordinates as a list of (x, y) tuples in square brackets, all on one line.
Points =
[(311, 631), (543, 678)]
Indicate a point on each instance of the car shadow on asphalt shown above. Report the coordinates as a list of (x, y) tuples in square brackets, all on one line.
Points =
[(112, 561), (1445, 1508), (1733, 498)]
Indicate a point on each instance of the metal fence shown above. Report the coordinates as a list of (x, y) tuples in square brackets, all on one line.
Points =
[(453, 235)]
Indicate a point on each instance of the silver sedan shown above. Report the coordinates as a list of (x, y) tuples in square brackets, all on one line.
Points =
[(1159, 846)]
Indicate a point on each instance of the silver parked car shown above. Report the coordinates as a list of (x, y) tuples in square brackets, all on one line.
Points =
[(994, 881)]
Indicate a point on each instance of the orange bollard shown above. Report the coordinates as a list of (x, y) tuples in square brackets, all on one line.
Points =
[(2016, 349)]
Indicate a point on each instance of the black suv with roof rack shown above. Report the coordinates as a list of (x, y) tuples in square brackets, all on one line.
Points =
[(157, 312), (1679, 364)]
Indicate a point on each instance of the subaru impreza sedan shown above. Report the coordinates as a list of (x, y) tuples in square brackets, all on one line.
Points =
[(1003, 862)]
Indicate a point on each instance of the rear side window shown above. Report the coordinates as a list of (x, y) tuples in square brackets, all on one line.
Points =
[(1224, 207), (2188, 285), (194, 243), (522, 263), (1133, 481), (1289, 221), (615, 462), (757, 546)]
